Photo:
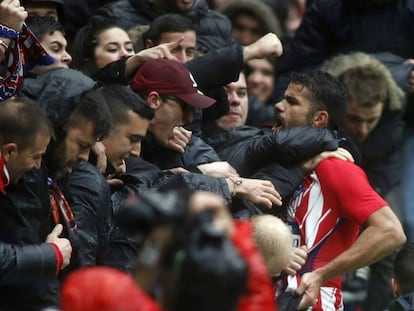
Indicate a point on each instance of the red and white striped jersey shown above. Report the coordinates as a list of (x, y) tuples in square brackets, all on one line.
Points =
[(325, 214)]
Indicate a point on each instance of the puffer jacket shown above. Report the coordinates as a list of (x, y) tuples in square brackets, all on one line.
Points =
[(213, 29), (28, 265), (89, 196)]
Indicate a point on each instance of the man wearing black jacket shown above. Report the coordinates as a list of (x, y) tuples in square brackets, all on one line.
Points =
[(32, 253), (79, 119), (79, 125)]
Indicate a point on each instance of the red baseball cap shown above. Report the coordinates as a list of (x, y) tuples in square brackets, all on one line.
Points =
[(167, 77)]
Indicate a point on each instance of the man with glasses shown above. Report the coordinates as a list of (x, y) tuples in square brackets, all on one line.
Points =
[(171, 91)]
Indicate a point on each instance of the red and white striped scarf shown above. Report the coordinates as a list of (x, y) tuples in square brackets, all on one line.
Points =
[(24, 53)]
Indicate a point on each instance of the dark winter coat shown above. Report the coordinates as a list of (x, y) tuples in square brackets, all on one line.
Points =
[(89, 196), (28, 265), (248, 149), (142, 176)]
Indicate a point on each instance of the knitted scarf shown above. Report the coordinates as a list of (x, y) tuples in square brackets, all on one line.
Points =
[(24, 53)]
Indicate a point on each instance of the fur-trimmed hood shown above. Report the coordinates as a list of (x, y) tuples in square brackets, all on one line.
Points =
[(257, 8), (341, 63)]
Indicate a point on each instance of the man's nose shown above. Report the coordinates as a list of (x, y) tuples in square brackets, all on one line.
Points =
[(188, 117), (363, 128), (136, 150), (84, 155), (37, 163), (67, 58), (279, 106), (233, 99), (182, 56)]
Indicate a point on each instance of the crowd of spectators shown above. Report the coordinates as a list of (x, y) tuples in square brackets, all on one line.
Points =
[(222, 155)]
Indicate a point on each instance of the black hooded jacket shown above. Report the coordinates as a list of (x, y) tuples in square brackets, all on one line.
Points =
[(248, 149)]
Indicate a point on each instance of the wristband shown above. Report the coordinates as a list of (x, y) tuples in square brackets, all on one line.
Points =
[(8, 33), (59, 257), (236, 183)]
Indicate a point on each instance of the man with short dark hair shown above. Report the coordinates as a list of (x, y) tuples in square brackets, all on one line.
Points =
[(131, 118), (28, 264), (77, 130), (171, 27), (51, 35), (328, 210), (281, 156), (102, 242), (86, 188)]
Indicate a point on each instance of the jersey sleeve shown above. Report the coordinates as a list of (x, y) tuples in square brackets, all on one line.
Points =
[(348, 185)]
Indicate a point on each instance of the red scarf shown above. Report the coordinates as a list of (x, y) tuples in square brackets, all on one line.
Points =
[(24, 51)]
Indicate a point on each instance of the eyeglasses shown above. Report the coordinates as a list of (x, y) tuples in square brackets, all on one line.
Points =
[(187, 109)]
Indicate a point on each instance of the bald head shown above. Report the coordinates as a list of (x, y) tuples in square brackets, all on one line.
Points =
[(274, 241)]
